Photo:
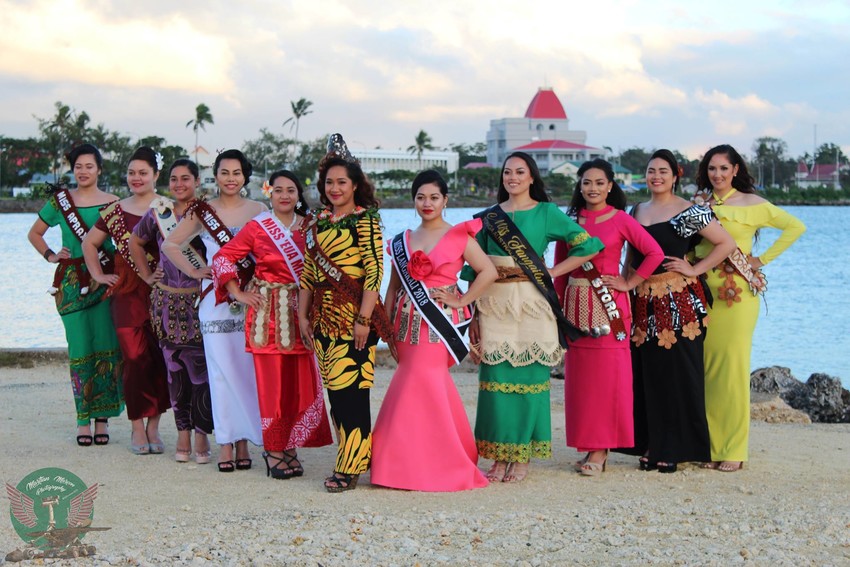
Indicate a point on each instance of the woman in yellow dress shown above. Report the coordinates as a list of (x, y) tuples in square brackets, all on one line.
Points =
[(736, 284)]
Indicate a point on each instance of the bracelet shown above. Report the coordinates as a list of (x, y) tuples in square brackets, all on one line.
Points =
[(47, 254), (362, 320)]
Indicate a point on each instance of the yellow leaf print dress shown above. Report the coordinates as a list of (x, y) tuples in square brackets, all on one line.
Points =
[(355, 244)]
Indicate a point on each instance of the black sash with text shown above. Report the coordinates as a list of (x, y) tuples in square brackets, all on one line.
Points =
[(442, 325), (505, 233)]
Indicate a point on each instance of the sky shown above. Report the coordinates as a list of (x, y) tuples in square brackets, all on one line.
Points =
[(683, 74)]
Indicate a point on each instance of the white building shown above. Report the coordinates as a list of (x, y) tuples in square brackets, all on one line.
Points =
[(380, 161), (544, 133)]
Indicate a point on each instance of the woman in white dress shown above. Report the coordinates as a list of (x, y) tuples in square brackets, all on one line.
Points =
[(233, 390)]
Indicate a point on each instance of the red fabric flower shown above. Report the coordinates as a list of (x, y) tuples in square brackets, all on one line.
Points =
[(420, 266)]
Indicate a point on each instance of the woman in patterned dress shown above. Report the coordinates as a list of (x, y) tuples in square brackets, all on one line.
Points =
[(338, 325), (289, 389), (145, 377), (95, 362), (669, 314)]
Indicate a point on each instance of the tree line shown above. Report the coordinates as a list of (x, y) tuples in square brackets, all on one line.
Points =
[(22, 158)]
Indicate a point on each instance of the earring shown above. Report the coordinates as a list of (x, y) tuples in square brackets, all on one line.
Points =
[(298, 205), (243, 192)]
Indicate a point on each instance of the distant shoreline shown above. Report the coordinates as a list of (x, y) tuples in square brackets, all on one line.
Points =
[(34, 205)]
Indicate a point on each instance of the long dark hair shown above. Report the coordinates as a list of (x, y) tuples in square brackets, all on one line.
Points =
[(303, 209), (537, 191), (364, 194), (616, 198), (668, 156), (742, 181), (247, 168)]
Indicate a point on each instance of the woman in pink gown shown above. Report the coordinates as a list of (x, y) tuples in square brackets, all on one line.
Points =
[(598, 396), (422, 439)]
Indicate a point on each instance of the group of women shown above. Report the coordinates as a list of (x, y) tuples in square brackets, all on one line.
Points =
[(236, 315)]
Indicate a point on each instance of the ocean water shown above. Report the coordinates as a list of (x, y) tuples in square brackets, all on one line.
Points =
[(803, 323)]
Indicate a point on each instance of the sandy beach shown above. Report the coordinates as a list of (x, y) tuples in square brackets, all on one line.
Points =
[(789, 506)]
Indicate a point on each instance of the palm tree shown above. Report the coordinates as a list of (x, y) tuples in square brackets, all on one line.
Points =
[(422, 143), (300, 109), (202, 118)]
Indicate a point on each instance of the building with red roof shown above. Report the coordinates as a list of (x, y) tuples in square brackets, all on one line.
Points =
[(820, 175), (544, 133)]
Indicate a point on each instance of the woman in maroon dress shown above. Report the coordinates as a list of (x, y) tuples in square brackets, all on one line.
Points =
[(145, 383)]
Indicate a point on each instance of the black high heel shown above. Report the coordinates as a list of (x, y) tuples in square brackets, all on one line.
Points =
[(277, 471), (667, 467), (645, 465), (101, 438)]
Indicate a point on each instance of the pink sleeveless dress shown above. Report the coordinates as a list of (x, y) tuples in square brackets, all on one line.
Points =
[(422, 439)]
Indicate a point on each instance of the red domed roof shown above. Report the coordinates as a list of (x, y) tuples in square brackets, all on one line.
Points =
[(545, 104)]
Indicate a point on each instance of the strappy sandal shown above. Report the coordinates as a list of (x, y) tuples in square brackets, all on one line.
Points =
[(281, 469), (594, 469), (340, 482), (497, 472), (292, 457), (101, 438), (226, 466), (84, 440), (580, 463)]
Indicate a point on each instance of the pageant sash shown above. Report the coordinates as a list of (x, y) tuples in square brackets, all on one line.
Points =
[(80, 229), (166, 221), (222, 235), (350, 290), (282, 239), (755, 278), (737, 260), (114, 216), (505, 233), (442, 325), (606, 298)]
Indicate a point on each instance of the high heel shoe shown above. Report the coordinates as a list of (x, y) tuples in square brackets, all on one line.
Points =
[(645, 465), (594, 469), (142, 449), (281, 469), (667, 467), (101, 438)]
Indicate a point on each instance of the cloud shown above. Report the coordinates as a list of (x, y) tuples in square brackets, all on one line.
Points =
[(74, 41)]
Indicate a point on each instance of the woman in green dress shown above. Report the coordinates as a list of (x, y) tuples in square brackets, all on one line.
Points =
[(95, 358), (516, 329)]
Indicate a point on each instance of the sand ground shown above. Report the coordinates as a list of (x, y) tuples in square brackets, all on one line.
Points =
[(789, 506)]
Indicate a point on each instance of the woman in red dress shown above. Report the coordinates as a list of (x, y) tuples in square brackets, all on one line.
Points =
[(292, 409)]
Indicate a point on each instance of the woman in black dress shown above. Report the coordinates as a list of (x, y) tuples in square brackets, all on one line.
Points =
[(670, 323)]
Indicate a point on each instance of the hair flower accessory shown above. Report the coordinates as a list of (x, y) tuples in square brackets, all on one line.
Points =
[(159, 161), (267, 189), (420, 266)]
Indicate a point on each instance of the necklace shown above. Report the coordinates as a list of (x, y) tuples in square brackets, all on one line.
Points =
[(721, 200), (294, 220)]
